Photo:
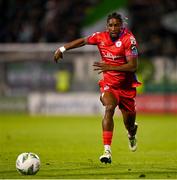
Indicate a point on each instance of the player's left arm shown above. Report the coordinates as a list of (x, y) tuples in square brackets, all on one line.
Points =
[(130, 66)]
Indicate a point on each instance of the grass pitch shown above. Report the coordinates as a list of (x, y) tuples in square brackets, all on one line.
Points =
[(69, 147)]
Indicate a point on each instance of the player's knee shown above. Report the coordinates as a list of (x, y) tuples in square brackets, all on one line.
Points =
[(110, 108)]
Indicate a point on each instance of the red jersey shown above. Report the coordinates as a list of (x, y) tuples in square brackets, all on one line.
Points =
[(115, 53)]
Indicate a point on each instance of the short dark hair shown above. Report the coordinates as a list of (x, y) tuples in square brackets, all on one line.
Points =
[(115, 16)]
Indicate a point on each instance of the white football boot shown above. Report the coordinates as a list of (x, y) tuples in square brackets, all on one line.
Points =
[(106, 157)]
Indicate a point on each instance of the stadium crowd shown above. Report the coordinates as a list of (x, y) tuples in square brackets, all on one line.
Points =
[(58, 21), (153, 22), (42, 21)]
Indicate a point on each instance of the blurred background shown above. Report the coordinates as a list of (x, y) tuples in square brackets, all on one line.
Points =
[(31, 30)]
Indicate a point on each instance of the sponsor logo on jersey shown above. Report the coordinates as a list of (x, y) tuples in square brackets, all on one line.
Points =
[(110, 56), (118, 43)]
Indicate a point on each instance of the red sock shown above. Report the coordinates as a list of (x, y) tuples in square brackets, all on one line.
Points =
[(107, 137)]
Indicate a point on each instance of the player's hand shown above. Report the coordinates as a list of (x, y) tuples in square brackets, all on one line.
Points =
[(58, 55), (101, 67)]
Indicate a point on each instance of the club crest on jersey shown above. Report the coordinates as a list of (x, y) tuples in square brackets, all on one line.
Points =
[(118, 43)]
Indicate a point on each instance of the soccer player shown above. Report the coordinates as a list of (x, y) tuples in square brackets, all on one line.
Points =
[(118, 49)]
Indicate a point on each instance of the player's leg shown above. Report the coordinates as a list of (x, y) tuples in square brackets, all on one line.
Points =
[(127, 107), (110, 103), (129, 121), (131, 126)]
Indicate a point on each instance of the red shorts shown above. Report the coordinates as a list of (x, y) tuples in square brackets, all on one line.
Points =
[(125, 97)]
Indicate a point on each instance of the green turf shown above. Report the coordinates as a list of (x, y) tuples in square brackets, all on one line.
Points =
[(69, 147)]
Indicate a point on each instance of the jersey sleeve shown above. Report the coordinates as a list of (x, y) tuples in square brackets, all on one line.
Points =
[(93, 39), (131, 46)]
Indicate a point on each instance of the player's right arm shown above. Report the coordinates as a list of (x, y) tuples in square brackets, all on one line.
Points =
[(92, 40), (71, 45)]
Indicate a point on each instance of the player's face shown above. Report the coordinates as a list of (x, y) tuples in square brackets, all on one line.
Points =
[(114, 27)]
